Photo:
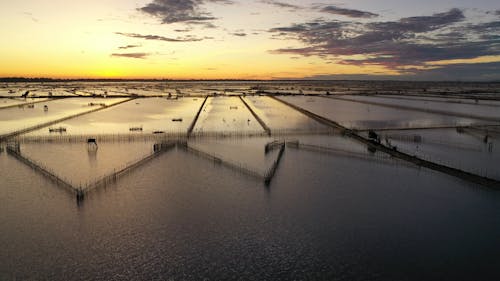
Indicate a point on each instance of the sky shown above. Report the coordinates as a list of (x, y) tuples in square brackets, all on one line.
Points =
[(263, 39)]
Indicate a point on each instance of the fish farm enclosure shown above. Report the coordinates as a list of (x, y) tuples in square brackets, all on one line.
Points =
[(238, 180)]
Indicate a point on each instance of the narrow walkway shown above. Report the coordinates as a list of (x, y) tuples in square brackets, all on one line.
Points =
[(191, 127), (261, 122)]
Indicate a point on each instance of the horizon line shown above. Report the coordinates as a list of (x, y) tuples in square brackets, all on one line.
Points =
[(48, 79)]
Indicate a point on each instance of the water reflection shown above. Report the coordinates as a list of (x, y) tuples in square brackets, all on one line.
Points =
[(92, 154)]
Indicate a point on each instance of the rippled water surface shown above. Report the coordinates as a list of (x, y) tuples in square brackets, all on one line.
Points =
[(182, 217), (201, 210)]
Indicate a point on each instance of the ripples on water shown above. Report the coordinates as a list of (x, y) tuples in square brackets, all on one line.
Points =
[(325, 216), (180, 217)]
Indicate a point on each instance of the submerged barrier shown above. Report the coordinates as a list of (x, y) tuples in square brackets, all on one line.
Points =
[(377, 157), (374, 145), (158, 149), (270, 146), (164, 136), (219, 160), (491, 131), (127, 137), (419, 139), (266, 177), (15, 151)]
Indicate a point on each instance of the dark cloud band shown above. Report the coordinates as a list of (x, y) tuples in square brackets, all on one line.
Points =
[(161, 38), (394, 44), (347, 12), (131, 55), (177, 11)]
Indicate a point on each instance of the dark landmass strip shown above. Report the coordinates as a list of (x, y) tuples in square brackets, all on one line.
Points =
[(43, 79)]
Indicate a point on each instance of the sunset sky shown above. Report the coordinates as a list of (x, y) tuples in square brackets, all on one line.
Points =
[(236, 39)]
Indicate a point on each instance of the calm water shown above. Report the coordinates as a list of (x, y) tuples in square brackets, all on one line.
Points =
[(180, 217), (338, 214), (365, 116)]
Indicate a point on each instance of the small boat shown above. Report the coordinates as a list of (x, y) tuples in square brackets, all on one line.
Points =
[(176, 119), (57, 130), (97, 104), (135, 129)]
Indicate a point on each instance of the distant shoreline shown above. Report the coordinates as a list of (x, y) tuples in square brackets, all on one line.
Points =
[(57, 80)]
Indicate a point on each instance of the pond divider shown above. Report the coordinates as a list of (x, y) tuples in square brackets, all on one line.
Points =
[(270, 173), (443, 99), (39, 126), (26, 103), (415, 138), (266, 177), (14, 150), (219, 160), (374, 145), (376, 157), (158, 149), (404, 107), (270, 146), (191, 127), (491, 131), (164, 136), (261, 122)]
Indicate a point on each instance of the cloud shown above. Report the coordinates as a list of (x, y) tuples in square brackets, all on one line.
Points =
[(280, 4), (177, 11), (240, 34), (458, 72), (131, 55), (30, 16), (347, 12), (188, 38), (128, 47), (183, 30), (393, 44)]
